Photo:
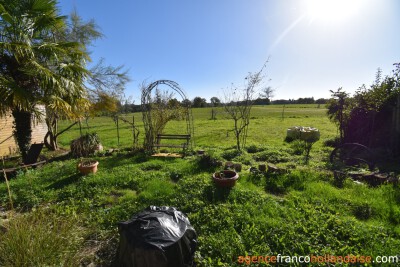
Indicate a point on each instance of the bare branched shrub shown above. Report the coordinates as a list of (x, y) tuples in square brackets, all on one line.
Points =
[(164, 108), (238, 104), (160, 108)]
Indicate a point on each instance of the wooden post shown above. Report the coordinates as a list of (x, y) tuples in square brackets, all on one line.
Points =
[(80, 127), (8, 185), (133, 130), (118, 130)]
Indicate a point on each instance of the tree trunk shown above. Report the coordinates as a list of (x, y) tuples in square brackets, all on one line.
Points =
[(22, 131), (50, 141), (237, 135)]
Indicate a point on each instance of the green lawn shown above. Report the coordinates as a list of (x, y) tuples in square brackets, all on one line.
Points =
[(300, 212), (265, 127)]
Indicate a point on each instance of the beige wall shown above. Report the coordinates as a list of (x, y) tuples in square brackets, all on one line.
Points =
[(7, 142)]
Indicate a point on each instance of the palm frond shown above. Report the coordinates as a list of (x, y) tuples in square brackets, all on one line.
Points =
[(5, 15)]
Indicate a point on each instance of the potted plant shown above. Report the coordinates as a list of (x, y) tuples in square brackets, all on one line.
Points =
[(225, 178), (86, 145), (88, 166)]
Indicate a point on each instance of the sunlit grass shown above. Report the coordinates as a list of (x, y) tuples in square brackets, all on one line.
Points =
[(267, 126), (41, 238), (297, 212)]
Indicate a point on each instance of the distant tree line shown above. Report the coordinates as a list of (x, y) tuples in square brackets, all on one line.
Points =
[(305, 100), (200, 102)]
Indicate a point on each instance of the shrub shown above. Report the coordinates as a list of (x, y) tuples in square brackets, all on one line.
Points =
[(273, 156), (230, 154), (282, 183), (254, 149), (298, 147), (152, 166), (175, 175), (332, 142), (245, 158), (362, 211), (209, 161), (275, 184), (85, 145), (256, 177)]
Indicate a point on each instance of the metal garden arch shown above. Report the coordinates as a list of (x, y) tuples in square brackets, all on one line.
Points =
[(150, 136)]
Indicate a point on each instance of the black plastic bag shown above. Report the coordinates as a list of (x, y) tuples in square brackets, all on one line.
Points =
[(156, 237)]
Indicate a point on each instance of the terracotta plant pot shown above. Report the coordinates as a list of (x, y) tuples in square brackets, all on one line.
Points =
[(225, 178), (86, 167)]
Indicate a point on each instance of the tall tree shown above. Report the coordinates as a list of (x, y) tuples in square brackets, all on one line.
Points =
[(215, 102), (186, 103), (104, 84), (268, 92), (199, 102), (36, 65)]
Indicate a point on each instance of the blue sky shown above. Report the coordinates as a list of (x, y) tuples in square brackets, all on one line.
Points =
[(313, 46)]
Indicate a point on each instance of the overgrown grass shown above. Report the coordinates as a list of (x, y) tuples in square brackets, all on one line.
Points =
[(41, 238), (297, 212)]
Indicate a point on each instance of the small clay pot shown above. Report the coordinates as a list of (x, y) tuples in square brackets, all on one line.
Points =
[(86, 167), (225, 178)]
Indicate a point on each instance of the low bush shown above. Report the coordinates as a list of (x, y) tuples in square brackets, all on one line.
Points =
[(297, 147), (244, 158), (256, 178), (209, 161), (272, 156), (332, 142), (283, 183), (85, 145), (362, 211), (254, 149), (152, 166), (230, 154)]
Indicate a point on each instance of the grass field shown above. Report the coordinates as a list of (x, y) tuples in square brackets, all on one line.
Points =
[(302, 211), (266, 127)]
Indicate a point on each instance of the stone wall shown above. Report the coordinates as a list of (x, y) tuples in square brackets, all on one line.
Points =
[(7, 141)]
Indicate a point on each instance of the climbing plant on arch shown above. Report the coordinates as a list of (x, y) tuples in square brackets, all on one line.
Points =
[(159, 108)]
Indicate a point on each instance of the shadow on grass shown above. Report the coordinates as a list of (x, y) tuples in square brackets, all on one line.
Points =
[(61, 157), (65, 182), (389, 164), (216, 194), (131, 158)]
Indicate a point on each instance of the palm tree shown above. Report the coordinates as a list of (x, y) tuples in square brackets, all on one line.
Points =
[(37, 65), (104, 84)]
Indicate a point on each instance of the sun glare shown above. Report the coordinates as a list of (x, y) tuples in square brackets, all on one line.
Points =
[(332, 10)]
